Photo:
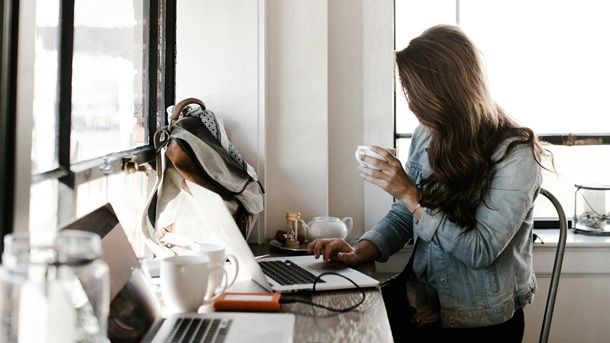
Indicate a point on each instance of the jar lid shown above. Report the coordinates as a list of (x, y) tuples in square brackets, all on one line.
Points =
[(71, 247), (595, 187)]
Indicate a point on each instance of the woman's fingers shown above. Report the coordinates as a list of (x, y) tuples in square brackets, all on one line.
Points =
[(348, 258), (335, 247), (392, 178), (383, 153), (317, 246), (328, 248), (374, 173), (375, 162)]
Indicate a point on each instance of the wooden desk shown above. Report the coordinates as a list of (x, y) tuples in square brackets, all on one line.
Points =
[(367, 323)]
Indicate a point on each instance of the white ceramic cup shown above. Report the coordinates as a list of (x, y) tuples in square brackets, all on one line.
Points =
[(185, 281), (367, 151), (218, 258)]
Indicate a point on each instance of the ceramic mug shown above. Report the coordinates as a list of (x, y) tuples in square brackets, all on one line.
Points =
[(367, 151), (185, 282), (218, 258)]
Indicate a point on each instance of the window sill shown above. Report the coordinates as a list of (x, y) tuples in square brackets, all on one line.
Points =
[(550, 237)]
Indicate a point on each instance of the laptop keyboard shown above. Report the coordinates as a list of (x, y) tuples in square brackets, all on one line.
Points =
[(287, 273), (199, 330)]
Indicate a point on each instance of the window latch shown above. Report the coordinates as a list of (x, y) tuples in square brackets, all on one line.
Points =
[(131, 167)]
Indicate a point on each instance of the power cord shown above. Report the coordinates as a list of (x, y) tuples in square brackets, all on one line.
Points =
[(284, 300)]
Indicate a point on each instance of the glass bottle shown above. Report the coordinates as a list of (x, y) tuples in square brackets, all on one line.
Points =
[(53, 288)]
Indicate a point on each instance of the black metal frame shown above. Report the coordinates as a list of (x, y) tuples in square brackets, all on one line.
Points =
[(169, 56), (557, 264), (160, 38), (9, 23), (555, 139), (66, 203)]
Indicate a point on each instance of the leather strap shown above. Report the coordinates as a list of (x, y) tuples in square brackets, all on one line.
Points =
[(182, 104)]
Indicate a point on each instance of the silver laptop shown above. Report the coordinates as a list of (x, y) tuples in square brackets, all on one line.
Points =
[(135, 314), (281, 274)]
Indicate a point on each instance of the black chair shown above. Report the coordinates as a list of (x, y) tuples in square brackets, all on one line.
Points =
[(561, 245)]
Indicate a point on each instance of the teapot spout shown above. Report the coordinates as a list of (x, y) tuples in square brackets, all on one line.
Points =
[(304, 230), (349, 222)]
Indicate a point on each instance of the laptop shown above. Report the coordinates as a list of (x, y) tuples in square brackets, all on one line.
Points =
[(135, 313), (280, 274)]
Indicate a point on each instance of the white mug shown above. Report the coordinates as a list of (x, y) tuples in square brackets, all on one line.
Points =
[(367, 151), (218, 257), (185, 282)]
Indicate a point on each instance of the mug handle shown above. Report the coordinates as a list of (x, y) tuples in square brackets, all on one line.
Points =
[(224, 284), (233, 260)]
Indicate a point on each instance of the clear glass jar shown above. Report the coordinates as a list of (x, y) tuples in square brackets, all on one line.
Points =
[(592, 209), (53, 288)]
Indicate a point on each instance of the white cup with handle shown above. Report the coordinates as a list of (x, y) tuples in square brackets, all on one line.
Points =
[(367, 151), (218, 258), (186, 280)]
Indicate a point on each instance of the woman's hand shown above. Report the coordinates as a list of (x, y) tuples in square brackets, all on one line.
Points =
[(390, 176), (339, 249)]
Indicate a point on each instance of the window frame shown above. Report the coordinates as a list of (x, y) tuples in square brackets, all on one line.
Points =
[(9, 22), (160, 92)]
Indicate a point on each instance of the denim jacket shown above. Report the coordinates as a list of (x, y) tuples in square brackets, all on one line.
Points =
[(483, 275)]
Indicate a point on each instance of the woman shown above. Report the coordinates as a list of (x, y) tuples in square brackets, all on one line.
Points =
[(466, 197)]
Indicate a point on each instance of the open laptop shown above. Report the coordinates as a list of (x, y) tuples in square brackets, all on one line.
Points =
[(281, 274), (135, 314)]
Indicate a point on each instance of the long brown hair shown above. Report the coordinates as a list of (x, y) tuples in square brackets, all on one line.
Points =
[(445, 85)]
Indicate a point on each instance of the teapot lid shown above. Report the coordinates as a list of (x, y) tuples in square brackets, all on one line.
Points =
[(325, 218)]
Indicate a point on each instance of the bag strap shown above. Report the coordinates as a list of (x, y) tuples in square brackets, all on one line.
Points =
[(147, 227), (182, 104)]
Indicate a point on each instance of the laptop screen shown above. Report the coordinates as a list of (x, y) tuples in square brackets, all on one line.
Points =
[(214, 224), (134, 307)]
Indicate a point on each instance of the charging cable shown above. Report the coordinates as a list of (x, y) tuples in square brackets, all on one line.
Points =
[(285, 300)]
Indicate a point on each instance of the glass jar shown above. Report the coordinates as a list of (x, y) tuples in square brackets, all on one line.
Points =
[(592, 209), (53, 288)]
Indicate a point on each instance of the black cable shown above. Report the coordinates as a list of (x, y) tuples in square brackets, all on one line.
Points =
[(284, 300)]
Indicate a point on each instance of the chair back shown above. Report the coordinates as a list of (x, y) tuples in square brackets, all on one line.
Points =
[(561, 245)]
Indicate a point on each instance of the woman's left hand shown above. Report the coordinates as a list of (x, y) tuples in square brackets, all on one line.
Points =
[(389, 175)]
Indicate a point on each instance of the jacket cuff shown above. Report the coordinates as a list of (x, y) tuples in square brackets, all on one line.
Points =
[(380, 242), (428, 224)]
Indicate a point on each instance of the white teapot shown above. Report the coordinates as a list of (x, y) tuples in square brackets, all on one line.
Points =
[(328, 227)]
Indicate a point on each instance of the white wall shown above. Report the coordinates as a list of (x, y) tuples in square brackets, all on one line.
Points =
[(297, 110), (378, 93), (315, 77), (218, 61)]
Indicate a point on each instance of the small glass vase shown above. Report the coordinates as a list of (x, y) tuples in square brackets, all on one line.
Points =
[(592, 209), (53, 288)]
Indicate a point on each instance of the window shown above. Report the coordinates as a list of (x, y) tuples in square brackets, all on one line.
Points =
[(548, 75), (103, 74)]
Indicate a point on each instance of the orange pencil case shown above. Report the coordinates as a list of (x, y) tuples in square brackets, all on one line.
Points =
[(249, 302)]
